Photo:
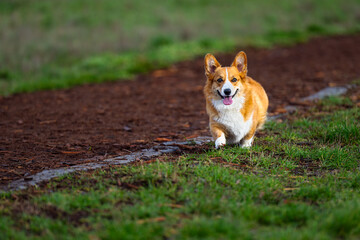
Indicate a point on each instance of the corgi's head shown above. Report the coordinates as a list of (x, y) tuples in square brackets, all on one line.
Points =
[(225, 83)]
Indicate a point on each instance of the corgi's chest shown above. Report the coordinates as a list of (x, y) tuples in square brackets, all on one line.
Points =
[(233, 121)]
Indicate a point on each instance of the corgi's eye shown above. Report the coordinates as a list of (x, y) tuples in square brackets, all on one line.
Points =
[(219, 80), (234, 80)]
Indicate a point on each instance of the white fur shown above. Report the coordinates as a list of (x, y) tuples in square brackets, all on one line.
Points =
[(227, 84), (220, 141), (232, 119), (248, 143)]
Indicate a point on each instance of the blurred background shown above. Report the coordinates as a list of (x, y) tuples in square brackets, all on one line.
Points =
[(60, 43)]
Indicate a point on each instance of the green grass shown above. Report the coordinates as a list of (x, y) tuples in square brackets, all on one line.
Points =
[(58, 44), (299, 181)]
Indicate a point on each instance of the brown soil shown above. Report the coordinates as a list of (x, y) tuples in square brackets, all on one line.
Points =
[(52, 129)]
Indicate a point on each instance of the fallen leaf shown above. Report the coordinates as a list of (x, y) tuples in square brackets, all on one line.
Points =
[(185, 146), (172, 205), (67, 152), (186, 125), (164, 72), (157, 219), (47, 122), (149, 161), (160, 73), (320, 75), (199, 87), (280, 110), (129, 185), (354, 98), (192, 136), (160, 139)]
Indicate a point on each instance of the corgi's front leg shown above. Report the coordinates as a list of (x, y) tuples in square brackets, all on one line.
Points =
[(220, 141), (218, 135), (247, 142), (248, 139)]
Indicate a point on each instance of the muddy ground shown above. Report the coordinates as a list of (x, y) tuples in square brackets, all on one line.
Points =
[(52, 129)]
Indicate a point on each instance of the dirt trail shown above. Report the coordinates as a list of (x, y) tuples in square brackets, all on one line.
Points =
[(52, 129)]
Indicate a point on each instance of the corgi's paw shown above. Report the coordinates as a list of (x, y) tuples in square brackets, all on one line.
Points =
[(247, 142), (220, 141)]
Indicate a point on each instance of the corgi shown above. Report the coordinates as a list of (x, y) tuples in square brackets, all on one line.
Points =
[(236, 104)]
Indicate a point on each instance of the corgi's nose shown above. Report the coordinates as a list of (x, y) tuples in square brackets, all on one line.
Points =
[(227, 91)]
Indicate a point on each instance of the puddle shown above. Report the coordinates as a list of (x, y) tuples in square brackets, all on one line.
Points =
[(144, 154)]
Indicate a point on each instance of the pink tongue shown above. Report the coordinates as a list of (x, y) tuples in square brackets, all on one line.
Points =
[(227, 100)]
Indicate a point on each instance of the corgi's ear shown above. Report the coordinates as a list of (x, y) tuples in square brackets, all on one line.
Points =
[(211, 64), (240, 62)]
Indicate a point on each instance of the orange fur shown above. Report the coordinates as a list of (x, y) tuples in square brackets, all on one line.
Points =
[(250, 101)]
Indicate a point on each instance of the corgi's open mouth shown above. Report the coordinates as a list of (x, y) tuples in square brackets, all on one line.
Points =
[(228, 100)]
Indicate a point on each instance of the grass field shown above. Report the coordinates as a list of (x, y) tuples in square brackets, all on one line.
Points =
[(55, 44), (299, 181)]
